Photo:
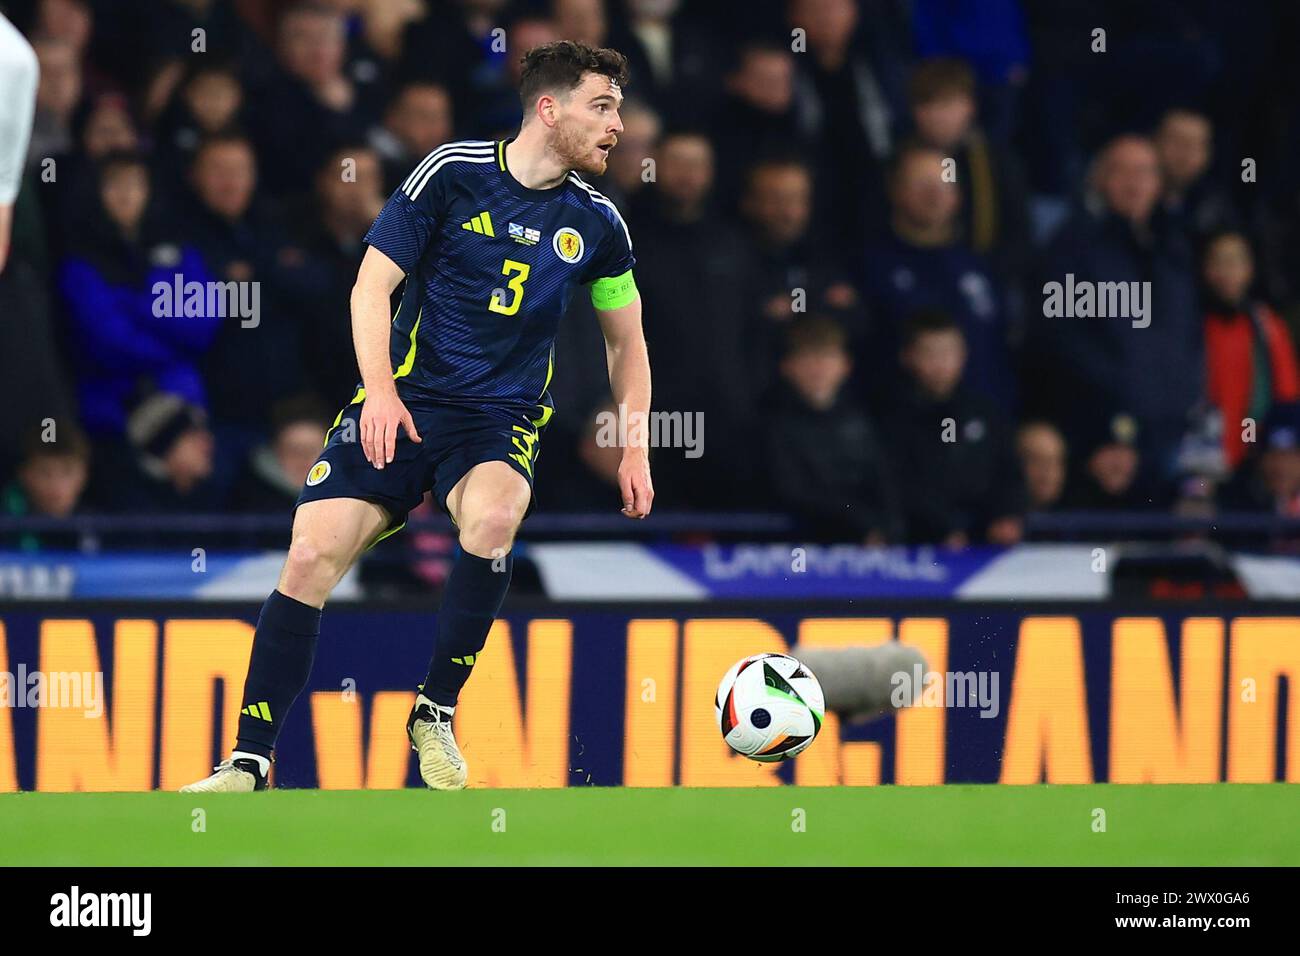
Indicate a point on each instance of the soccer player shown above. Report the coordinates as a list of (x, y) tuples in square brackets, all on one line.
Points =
[(492, 238)]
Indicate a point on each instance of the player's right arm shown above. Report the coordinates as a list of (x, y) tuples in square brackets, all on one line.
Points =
[(382, 412), (396, 240)]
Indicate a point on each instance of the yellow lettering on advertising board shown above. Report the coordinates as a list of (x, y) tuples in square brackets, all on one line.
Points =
[(830, 760), (920, 750), (196, 654), (650, 704), (78, 747), (1264, 650), (8, 754), (340, 754), (1047, 726), (710, 647), (1154, 739), (505, 744)]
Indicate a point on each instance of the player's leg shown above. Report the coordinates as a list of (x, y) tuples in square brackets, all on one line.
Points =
[(487, 504), (328, 536)]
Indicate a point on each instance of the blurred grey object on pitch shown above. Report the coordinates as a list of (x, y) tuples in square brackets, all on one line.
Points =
[(858, 681)]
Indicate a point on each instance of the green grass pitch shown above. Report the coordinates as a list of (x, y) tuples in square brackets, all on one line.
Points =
[(1192, 825)]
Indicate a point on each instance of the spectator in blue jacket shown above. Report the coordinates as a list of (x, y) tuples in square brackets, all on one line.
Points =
[(1147, 361), (118, 283), (923, 264)]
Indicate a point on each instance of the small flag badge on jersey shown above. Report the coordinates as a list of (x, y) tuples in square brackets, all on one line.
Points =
[(524, 235)]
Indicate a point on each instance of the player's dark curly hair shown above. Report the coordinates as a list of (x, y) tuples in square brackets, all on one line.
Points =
[(558, 68)]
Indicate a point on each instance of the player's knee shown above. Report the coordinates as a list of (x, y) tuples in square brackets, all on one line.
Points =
[(313, 565), (490, 530)]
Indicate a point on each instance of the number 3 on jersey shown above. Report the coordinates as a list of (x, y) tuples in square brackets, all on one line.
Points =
[(518, 272)]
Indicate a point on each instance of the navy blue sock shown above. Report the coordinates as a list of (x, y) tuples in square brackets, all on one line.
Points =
[(284, 647), (470, 603)]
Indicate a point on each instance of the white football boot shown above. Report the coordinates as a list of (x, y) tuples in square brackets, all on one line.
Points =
[(441, 765), (233, 775)]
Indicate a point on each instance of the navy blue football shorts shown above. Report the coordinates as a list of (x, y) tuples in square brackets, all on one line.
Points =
[(455, 438)]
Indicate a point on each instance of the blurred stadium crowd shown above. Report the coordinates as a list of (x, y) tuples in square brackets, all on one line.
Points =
[(843, 238)]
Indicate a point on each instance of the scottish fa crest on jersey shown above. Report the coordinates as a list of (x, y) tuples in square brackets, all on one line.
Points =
[(568, 244), (319, 472)]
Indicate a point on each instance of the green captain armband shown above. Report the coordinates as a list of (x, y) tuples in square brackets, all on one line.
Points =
[(607, 294)]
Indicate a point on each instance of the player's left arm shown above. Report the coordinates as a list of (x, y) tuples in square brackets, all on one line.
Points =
[(629, 381)]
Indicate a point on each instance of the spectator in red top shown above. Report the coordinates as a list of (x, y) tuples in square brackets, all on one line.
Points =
[(1251, 361)]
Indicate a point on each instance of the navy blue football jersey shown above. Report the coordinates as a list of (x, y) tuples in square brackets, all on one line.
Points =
[(490, 268)]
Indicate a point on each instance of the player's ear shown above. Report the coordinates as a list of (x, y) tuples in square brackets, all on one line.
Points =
[(547, 108)]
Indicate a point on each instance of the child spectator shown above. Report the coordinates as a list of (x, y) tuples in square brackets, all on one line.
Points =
[(952, 445), (828, 467), (50, 481)]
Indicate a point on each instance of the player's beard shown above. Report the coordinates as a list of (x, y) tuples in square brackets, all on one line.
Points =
[(573, 148)]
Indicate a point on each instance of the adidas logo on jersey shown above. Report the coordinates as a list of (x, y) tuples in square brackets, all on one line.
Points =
[(482, 224)]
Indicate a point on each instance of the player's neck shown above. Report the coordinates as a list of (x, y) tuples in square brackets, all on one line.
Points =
[(531, 163)]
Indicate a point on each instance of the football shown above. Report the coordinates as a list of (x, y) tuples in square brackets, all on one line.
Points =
[(769, 707)]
